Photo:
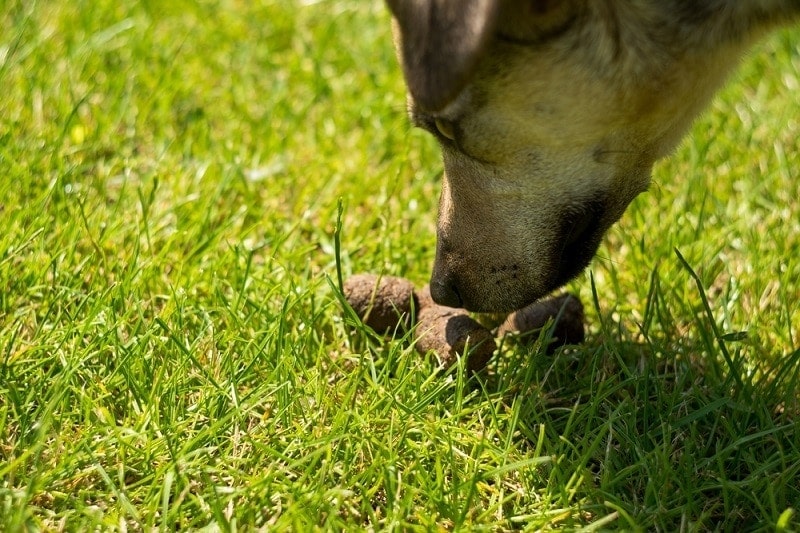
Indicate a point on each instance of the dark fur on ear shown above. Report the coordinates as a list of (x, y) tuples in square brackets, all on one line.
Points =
[(440, 43)]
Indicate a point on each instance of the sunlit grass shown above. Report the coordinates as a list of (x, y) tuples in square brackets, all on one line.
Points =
[(174, 353)]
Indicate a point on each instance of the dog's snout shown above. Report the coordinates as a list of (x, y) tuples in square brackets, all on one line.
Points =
[(446, 284), (445, 291)]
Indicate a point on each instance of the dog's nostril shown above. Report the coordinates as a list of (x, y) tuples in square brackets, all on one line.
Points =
[(446, 293)]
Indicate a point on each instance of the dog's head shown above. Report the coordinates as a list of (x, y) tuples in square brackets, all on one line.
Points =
[(550, 116)]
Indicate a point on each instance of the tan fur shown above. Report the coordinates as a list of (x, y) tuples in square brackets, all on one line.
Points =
[(557, 119)]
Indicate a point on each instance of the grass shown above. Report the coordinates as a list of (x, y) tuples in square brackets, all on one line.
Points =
[(173, 353)]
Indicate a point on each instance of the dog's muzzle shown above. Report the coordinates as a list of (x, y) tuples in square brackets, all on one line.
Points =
[(479, 284)]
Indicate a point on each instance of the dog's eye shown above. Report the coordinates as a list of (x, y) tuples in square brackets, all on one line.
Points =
[(445, 128)]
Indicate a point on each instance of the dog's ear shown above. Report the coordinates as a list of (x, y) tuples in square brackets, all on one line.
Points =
[(440, 42)]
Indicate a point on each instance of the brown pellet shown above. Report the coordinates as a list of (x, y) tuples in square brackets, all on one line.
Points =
[(451, 333), (566, 310), (383, 303)]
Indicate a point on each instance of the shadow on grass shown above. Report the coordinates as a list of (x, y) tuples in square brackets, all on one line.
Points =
[(663, 431), (676, 426)]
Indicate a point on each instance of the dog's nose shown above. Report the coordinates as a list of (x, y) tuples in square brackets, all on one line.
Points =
[(444, 291)]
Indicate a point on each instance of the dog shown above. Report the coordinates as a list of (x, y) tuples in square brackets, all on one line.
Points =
[(550, 115)]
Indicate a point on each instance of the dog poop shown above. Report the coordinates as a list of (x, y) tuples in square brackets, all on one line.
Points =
[(390, 305), (451, 333), (567, 312), (383, 303)]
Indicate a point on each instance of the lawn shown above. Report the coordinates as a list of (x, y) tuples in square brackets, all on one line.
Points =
[(179, 183)]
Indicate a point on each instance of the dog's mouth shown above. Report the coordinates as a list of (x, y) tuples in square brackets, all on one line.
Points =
[(579, 238)]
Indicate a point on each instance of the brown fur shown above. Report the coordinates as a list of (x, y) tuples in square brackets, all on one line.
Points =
[(550, 115)]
